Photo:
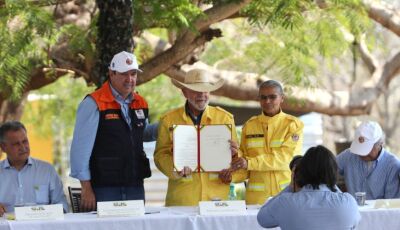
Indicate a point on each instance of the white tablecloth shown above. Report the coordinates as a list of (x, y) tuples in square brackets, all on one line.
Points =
[(378, 219), (187, 218)]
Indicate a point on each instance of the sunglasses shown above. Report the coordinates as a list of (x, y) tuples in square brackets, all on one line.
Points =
[(270, 97)]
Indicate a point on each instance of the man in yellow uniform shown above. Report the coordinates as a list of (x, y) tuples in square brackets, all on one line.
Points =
[(187, 188), (269, 142)]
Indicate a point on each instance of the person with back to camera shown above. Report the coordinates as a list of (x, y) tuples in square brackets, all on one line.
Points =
[(315, 203), (368, 167)]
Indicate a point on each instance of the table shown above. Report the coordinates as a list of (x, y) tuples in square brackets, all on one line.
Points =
[(187, 218), (378, 219), (176, 218)]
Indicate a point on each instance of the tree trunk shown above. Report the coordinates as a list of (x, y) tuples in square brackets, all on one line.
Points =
[(12, 110), (115, 34)]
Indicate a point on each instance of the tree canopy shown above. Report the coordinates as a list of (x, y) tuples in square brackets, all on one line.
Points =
[(43, 40)]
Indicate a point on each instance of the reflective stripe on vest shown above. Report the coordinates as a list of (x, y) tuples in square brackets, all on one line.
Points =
[(258, 187), (276, 143), (255, 143), (213, 176)]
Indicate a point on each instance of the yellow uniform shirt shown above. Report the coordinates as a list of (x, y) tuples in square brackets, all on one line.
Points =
[(269, 144), (200, 186)]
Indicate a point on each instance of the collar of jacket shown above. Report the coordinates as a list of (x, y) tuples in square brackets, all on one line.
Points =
[(266, 119), (108, 96), (205, 117), (6, 163)]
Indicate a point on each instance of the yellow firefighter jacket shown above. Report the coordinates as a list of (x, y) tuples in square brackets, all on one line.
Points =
[(269, 144), (201, 186)]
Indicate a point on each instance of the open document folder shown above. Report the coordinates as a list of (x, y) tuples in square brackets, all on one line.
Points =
[(202, 148)]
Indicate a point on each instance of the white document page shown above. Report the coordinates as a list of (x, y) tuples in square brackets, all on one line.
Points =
[(215, 152), (185, 147)]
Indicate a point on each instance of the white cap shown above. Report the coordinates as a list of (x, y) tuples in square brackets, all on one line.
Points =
[(366, 135), (123, 62)]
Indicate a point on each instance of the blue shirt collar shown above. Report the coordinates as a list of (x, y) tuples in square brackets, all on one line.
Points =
[(6, 163), (380, 157), (118, 96), (309, 188)]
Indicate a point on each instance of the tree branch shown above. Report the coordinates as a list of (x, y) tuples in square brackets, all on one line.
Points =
[(189, 40), (391, 69), (39, 2), (377, 11), (219, 13), (244, 86), (369, 60), (384, 15), (182, 47)]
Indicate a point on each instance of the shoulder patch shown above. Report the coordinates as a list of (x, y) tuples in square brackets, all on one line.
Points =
[(295, 137)]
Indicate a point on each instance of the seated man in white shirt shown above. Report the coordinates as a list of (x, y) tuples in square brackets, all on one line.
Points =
[(24, 180)]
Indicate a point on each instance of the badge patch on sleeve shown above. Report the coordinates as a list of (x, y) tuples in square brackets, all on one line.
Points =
[(295, 137), (139, 113)]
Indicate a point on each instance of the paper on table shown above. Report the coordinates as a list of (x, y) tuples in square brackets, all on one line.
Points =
[(215, 148), (387, 203), (185, 147)]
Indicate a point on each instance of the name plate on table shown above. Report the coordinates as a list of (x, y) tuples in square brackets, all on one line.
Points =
[(222, 207), (40, 212), (120, 208)]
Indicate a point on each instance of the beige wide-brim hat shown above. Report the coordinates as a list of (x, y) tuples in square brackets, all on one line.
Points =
[(198, 80)]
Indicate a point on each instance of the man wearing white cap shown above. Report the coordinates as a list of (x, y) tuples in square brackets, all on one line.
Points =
[(186, 188), (368, 167), (107, 149)]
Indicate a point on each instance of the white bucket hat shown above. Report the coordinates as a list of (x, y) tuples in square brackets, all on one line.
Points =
[(123, 62), (198, 80), (366, 135)]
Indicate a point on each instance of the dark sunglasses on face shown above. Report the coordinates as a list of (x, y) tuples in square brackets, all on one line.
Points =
[(270, 97)]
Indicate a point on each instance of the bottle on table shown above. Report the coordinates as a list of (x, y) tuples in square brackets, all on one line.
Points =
[(232, 192)]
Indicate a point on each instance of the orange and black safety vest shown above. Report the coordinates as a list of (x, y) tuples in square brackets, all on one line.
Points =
[(117, 157)]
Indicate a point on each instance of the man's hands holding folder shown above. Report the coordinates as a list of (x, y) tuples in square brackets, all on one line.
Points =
[(226, 174), (185, 172), (234, 149), (239, 163)]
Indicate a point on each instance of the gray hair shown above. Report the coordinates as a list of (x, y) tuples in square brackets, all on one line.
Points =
[(10, 126), (273, 84)]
